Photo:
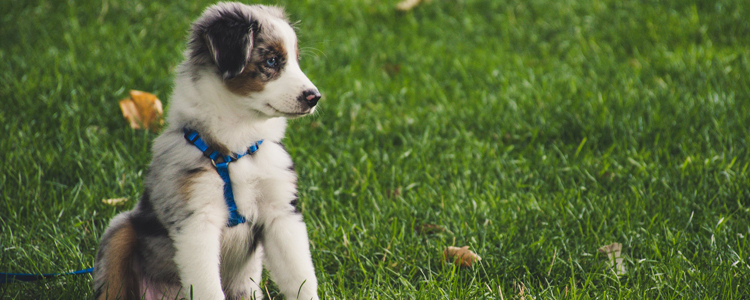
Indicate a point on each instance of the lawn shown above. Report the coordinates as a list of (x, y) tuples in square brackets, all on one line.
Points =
[(532, 131)]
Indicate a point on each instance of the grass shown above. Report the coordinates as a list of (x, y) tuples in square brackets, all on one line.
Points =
[(533, 131)]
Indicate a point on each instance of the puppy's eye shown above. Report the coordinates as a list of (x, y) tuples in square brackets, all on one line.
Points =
[(271, 62)]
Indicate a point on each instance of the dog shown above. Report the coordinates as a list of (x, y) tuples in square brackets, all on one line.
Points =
[(239, 83)]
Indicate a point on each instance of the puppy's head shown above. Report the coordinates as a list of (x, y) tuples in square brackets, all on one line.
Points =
[(253, 51)]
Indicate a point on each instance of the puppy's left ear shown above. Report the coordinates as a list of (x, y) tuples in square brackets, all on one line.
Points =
[(230, 43)]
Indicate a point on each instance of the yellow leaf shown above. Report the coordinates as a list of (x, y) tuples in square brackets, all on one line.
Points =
[(142, 110)]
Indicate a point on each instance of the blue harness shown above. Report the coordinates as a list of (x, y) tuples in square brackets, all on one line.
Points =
[(221, 162)]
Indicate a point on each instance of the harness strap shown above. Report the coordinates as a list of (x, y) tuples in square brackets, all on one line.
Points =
[(235, 217), (222, 167)]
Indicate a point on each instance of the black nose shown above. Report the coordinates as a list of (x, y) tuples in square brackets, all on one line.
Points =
[(310, 97)]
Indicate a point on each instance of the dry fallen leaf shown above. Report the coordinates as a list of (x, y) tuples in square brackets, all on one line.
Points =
[(392, 69), (115, 201), (407, 5), (461, 256), (614, 259), (394, 193), (142, 110)]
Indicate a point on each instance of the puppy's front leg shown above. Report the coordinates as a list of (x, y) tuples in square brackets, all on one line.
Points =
[(197, 245), (288, 256)]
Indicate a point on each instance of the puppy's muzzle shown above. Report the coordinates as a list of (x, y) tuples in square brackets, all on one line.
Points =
[(310, 97)]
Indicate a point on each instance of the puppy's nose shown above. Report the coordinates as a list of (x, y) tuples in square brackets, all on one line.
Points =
[(310, 97)]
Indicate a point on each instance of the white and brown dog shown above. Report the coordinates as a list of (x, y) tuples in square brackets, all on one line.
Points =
[(239, 83)]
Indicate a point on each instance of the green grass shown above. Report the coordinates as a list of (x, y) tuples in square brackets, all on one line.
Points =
[(533, 131)]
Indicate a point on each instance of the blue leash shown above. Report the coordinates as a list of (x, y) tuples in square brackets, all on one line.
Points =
[(13, 277)]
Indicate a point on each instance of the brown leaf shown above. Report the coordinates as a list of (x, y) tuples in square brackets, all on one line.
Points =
[(461, 256), (429, 228), (614, 260), (142, 110), (115, 201), (392, 69)]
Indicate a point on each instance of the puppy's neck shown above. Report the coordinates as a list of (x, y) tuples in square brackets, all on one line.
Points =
[(209, 108)]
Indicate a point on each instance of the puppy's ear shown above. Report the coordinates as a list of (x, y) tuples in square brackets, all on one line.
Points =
[(230, 43)]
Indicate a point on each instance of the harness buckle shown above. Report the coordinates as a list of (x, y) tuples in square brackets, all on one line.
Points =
[(225, 159)]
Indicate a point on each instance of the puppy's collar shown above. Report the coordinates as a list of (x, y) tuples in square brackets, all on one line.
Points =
[(221, 162)]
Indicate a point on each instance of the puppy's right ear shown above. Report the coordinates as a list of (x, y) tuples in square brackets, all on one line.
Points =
[(230, 43)]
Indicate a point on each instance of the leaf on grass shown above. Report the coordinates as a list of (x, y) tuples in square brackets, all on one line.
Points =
[(614, 260), (461, 256), (392, 69), (407, 5), (142, 110), (429, 229), (115, 201)]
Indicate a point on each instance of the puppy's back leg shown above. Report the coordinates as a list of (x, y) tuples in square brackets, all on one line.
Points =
[(243, 281), (114, 276)]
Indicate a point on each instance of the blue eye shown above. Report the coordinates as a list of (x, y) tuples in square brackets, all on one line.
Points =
[(271, 62)]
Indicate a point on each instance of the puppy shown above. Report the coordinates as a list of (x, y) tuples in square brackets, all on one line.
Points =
[(239, 83)]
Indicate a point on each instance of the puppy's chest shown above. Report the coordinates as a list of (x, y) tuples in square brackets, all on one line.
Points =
[(261, 178)]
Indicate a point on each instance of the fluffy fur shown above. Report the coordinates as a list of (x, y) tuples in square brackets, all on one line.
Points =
[(239, 83)]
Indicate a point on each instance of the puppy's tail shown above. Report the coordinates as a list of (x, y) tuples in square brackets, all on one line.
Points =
[(114, 273)]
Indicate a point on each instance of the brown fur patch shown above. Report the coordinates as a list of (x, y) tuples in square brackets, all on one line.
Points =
[(256, 74), (188, 181), (276, 47), (216, 145), (122, 282), (247, 82)]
